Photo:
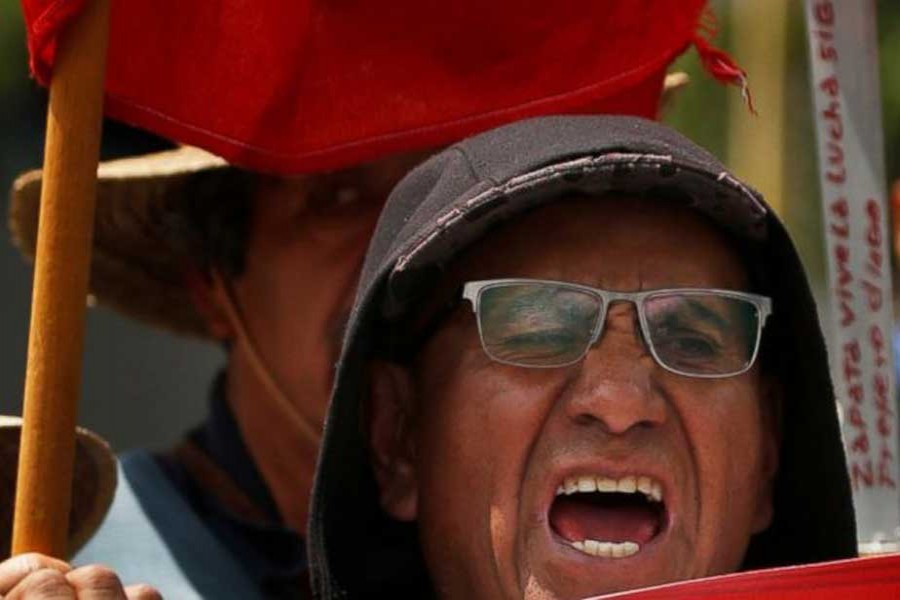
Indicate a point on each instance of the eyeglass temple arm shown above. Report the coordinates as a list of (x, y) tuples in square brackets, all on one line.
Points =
[(470, 293)]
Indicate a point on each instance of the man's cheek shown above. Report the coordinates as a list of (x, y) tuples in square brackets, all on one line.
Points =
[(728, 450), (455, 487), (483, 421)]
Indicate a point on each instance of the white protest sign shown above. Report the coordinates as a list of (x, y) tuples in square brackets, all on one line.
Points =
[(843, 44)]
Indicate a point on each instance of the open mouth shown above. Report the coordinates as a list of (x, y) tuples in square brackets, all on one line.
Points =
[(610, 518)]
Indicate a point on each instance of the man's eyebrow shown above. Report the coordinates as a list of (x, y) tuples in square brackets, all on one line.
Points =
[(524, 304), (702, 311)]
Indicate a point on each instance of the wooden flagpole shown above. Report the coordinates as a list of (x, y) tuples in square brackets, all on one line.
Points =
[(62, 261)]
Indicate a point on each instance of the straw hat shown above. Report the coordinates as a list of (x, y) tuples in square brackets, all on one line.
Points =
[(94, 483), (137, 266)]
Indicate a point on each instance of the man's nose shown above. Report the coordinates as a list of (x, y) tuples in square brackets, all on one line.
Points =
[(614, 385)]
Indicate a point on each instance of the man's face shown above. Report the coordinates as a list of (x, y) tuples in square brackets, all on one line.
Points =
[(307, 239), (487, 446), (306, 244)]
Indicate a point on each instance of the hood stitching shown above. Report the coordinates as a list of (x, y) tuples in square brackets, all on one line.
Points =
[(537, 177)]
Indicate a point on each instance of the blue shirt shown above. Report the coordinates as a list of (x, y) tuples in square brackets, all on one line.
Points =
[(219, 479)]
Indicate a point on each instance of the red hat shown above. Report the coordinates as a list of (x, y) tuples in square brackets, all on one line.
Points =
[(301, 85)]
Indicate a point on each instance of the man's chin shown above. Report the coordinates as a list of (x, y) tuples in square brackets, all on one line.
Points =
[(565, 572)]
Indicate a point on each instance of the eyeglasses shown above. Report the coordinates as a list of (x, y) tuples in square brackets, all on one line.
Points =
[(694, 332)]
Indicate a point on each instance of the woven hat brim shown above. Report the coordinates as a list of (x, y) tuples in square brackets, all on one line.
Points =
[(93, 487), (134, 269)]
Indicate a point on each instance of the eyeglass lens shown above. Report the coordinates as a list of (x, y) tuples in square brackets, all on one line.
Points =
[(533, 324), (547, 325), (702, 334)]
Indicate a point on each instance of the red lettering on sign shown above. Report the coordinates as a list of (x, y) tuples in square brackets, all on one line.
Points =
[(852, 356), (881, 403), (827, 51), (824, 12), (881, 386), (874, 297), (852, 371), (830, 86), (861, 474), (840, 208), (884, 425), (841, 230), (873, 211), (832, 114), (840, 227), (842, 288), (836, 172), (876, 338), (875, 255), (845, 276)]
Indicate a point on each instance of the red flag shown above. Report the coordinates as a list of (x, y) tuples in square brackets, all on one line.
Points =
[(876, 578), (298, 85)]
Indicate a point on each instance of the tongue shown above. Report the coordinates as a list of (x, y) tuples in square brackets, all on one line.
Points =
[(578, 519)]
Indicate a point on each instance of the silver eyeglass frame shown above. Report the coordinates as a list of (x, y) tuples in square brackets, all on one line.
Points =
[(472, 291)]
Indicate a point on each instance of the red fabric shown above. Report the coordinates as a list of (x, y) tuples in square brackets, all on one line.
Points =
[(45, 20), (721, 66), (876, 578), (299, 85), (718, 63)]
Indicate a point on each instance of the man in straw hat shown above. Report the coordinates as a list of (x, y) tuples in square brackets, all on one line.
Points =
[(266, 265)]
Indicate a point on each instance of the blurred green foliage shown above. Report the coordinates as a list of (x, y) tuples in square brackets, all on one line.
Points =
[(889, 50), (701, 112), (13, 54)]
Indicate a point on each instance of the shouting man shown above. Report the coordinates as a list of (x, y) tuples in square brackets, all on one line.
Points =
[(583, 358)]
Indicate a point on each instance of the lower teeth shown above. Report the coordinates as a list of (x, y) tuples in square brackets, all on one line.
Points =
[(607, 549)]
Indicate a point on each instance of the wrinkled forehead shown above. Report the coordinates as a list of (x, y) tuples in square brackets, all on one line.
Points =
[(626, 243), (616, 242)]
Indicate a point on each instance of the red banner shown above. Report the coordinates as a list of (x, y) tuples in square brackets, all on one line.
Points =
[(867, 578), (298, 85)]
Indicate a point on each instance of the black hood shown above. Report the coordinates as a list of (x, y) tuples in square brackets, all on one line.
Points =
[(450, 201)]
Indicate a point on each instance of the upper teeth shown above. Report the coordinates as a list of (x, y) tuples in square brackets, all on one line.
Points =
[(651, 488)]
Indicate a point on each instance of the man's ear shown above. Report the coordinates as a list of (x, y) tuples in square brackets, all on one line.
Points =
[(390, 410), (207, 295), (772, 397)]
